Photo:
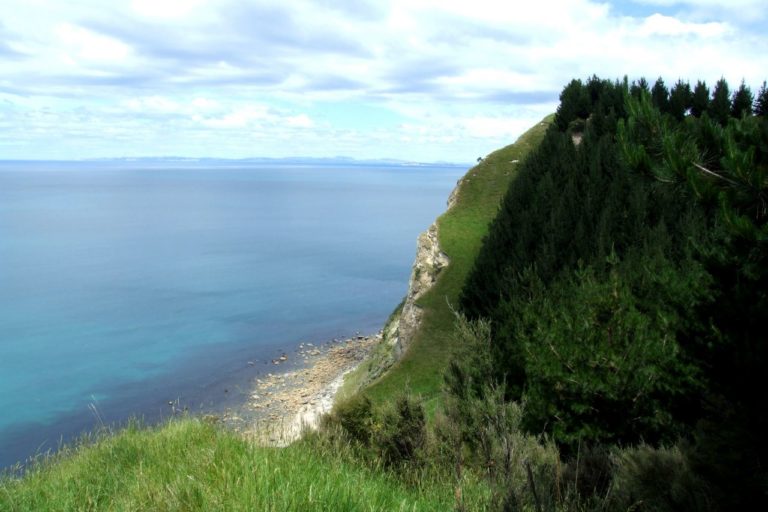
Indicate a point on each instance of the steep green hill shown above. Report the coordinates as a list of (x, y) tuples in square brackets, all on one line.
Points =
[(461, 230)]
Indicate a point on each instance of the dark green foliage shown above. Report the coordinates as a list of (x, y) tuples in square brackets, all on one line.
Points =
[(741, 104), (601, 361), (626, 284), (521, 469), (761, 101), (574, 104), (402, 434), (590, 472), (680, 98), (726, 168), (660, 95), (565, 324), (355, 416), (699, 99), (482, 430), (724, 455), (598, 101), (468, 377), (394, 434), (720, 106), (641, 86), (658, 480)]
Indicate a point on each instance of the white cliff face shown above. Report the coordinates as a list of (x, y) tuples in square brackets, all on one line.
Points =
[(430, 260), (401, 328)]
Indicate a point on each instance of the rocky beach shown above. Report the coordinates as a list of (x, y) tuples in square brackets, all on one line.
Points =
[(282, 403)]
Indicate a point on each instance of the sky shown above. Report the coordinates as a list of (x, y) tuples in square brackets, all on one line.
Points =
[(418, 80)]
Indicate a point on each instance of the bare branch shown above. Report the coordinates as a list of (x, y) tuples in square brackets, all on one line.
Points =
[(712, 173)]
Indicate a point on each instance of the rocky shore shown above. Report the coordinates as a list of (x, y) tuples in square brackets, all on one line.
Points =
[(282, 404)]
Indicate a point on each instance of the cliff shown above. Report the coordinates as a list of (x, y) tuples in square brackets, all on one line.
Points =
[(430, 260), (418, 339)]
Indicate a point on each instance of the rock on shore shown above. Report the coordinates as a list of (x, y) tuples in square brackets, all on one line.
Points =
[(287, 403)]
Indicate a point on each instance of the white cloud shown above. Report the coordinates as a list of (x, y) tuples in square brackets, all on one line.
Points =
[(658, 24), (300, 121), (729, 4), (491, 127), (205, 104), (239, 118), (165, 8), (455, 78), (80, 43), (154, 104)]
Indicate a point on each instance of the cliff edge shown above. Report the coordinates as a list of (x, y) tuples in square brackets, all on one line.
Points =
[(417, 340), (430, 260)]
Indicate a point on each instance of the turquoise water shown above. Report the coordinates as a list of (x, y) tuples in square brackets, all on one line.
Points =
[(124, 286)]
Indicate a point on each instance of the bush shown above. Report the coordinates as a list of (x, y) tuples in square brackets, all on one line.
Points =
[(467, 377), (589, 475), (657, 480), (354, 416), (401, 436), (521, 468), (479, 428)]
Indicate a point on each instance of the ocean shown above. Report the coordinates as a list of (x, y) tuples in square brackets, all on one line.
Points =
[(128, 285)]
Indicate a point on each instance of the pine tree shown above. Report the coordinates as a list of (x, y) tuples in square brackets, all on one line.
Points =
[(637, 88), (680, 100), (574, 104), (742, 101), (660, 95), (761, 102), (720, 106), (700, 99)]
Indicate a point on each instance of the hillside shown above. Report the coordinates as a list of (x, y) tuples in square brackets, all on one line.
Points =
[(417, 357), (194, 465)]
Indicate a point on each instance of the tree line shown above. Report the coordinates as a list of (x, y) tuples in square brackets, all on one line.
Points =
[(625, 282)]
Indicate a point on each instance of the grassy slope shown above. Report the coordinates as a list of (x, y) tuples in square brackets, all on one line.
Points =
[(191, 465), (461, 232)]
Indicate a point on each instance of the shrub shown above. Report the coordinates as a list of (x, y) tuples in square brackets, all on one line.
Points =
[(589, 475), (480, 428), (657, 480), (401, 436), (354, 416), (521, 468)]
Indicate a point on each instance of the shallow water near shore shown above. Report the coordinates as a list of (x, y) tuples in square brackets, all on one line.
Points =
[(125, 286)]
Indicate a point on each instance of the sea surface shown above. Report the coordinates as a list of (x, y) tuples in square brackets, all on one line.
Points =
[(128, 285)]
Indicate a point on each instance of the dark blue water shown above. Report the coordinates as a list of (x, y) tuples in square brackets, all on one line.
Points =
[(126, 286)]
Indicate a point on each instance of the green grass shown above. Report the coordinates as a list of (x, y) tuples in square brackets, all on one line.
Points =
[(461, 232), (192, 465), (377, 362)]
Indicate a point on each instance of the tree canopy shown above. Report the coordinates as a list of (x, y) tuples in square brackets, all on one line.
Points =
[(626, 278)]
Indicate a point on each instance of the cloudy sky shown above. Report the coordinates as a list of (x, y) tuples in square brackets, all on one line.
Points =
[(411, 79)]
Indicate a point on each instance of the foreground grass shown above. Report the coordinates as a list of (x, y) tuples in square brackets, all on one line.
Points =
[(191, 465), (461, 232)]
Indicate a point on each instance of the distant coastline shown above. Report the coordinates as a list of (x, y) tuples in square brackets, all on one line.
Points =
[(296, 160)]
